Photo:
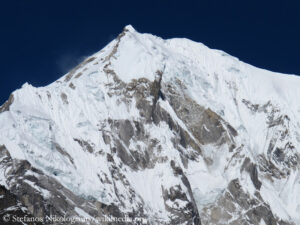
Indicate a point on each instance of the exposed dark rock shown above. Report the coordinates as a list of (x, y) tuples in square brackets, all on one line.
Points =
[(231, 207), (69, 76), (86, 146), (64, 98), (189, 213), (11, 209), (7, 104), (27, 192), (205, 125), (71, 85), (63, 152), (252, 170), (155, 91), (269, 168)]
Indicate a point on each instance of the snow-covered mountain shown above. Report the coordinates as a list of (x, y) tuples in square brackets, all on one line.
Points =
[(166, 130)]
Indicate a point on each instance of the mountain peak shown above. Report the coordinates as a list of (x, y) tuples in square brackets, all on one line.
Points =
[(129, 28)]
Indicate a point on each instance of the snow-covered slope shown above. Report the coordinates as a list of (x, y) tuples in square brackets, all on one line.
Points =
[(167, 130)]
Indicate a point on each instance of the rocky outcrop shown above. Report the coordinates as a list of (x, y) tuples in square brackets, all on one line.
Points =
[(206, 126), (37, 195), (12, 210), (235, 207), (6, 105)]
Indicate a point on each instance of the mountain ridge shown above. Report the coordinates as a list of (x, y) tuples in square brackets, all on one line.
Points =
[(169, 130)]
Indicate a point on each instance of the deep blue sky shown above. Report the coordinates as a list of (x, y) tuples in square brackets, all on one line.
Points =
[(42, 39)]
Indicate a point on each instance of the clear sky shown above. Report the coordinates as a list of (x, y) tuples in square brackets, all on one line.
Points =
[(42, 39)]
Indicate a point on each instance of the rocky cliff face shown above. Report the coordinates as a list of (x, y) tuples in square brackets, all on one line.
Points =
[(165, 130)]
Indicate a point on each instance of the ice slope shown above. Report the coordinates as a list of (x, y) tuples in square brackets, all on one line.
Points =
[(77, 106)]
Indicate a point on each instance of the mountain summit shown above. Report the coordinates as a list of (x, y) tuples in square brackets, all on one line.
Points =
[(165, 130)]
